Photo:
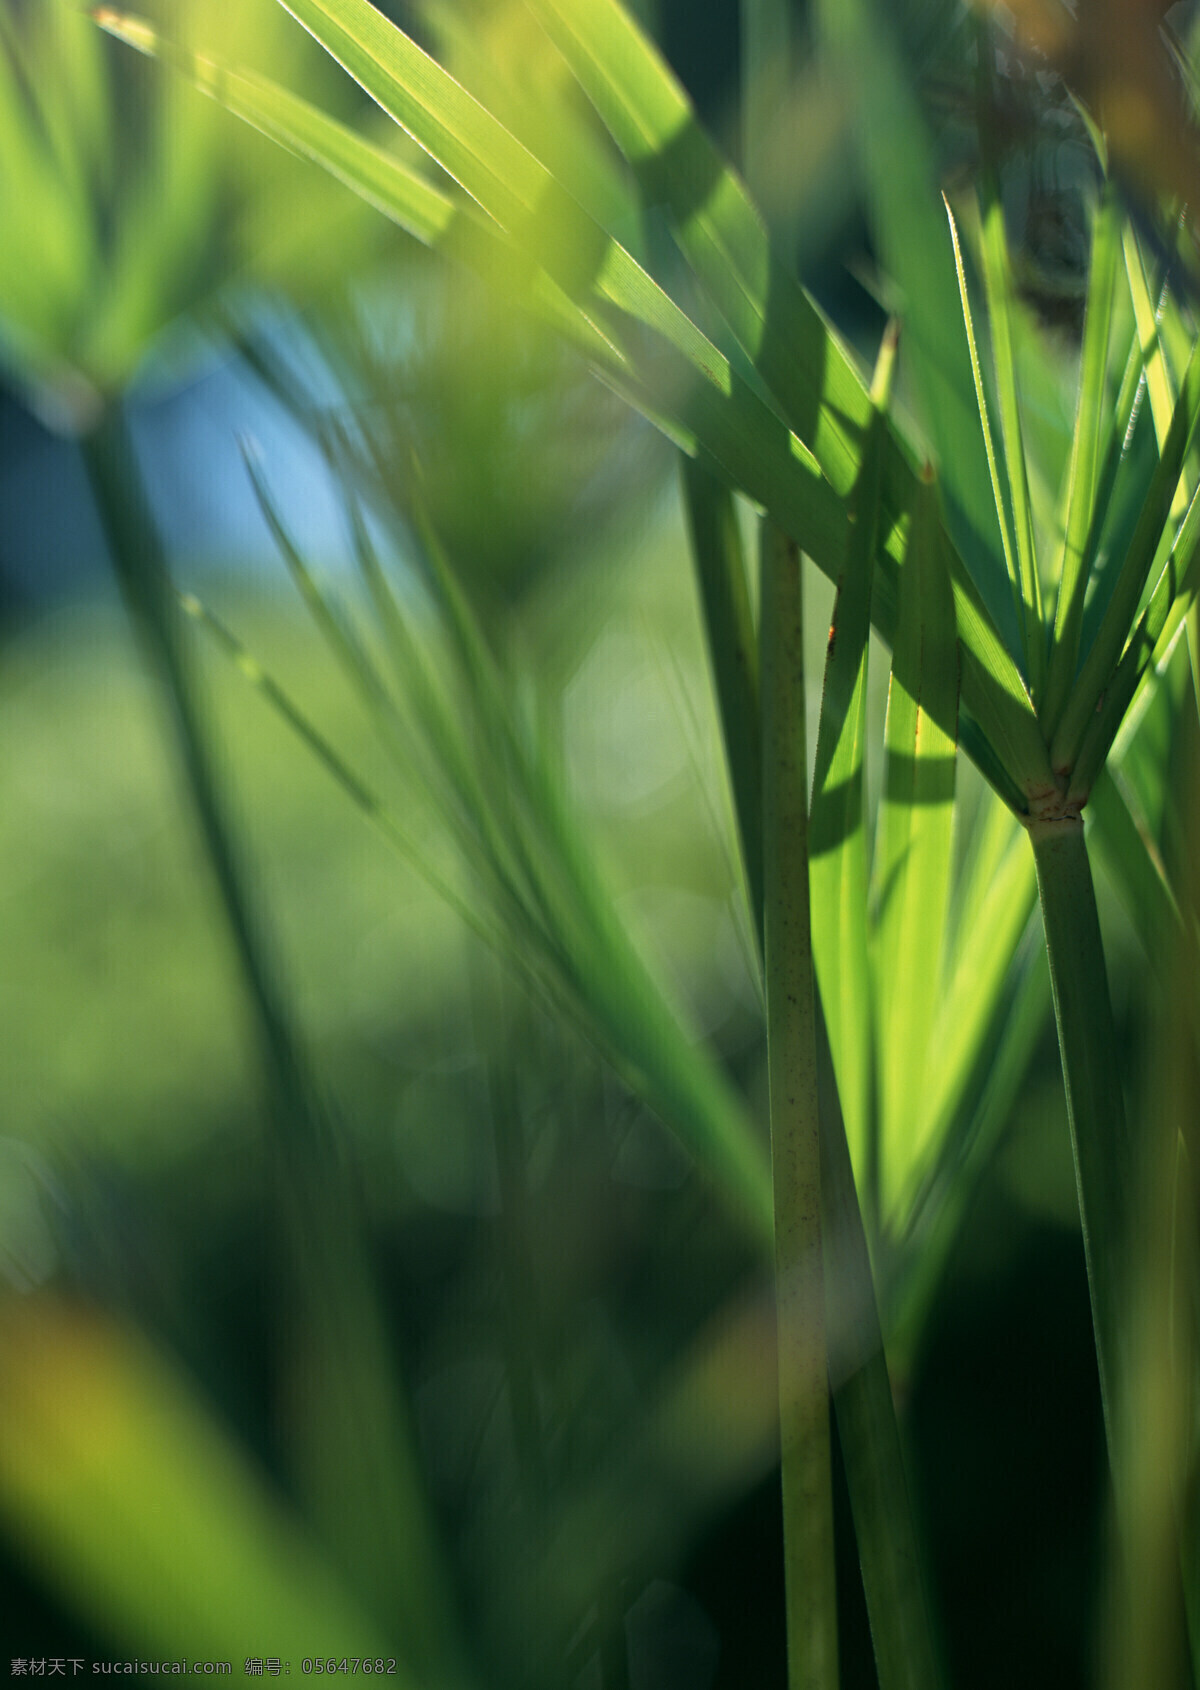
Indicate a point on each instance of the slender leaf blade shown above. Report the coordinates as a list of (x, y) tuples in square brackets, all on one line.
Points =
[(1118, 618), (1002, 516), (1131, 857), (837, 834), (998, 281), (913, 845), (1082, 478), (1160, 622), (733, 653), (992, 919)]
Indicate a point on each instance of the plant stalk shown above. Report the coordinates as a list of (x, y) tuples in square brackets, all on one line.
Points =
[(810, 1583), (902, 1632), (138, 560), (1095, 1108)]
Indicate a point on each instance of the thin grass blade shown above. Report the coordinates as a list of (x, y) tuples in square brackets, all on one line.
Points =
[(1082, 489), (393, 1554), (1148, 317), (359, 793), (733, 652), (382, 178), (1003, 520), (613, 983), (992, 919), (1157, 627), (998, 281), (1126, 849), (1118, 618), (965, 1158)]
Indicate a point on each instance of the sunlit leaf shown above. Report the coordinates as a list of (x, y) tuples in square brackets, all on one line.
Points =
[(911, 873)]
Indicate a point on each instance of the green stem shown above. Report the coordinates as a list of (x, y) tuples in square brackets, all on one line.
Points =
[(141, 569), (906, 1655), (1095, 1108), (811, 1595)]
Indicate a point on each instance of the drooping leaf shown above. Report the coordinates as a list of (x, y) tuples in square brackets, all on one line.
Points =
[(901, 187), (801, 361), (682, 383)]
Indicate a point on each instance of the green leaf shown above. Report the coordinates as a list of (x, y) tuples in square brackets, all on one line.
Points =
[(911, 879), (1002, 516), (797, 355), (733, 652), (837, 833), (965, 1156), (718, 228), (361, 796), (1158, 626), (997, 274), (898, 170), (1128, 852), (1118, 618), (103, 1444), (1154, 356), (991, 919), (381, 178), (659, 373), (504, 59), (508, 182), (1082, 489)]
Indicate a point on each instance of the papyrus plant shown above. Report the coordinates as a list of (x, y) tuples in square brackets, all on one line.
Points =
[(1022, 634)]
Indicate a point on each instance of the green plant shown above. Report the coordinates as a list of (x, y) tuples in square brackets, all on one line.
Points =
[(1026, 623)]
